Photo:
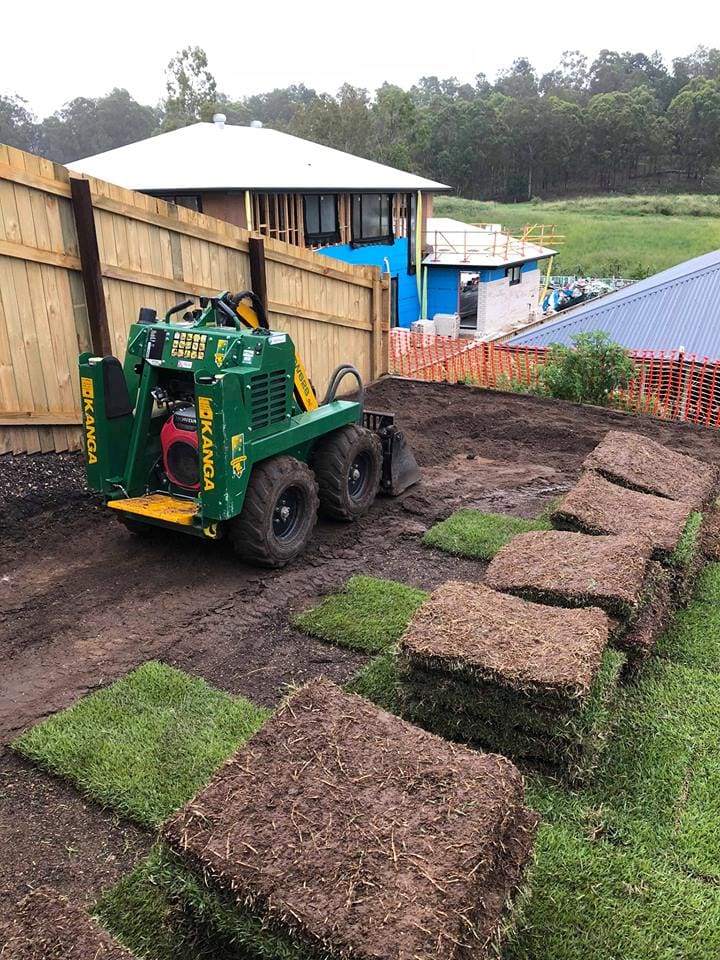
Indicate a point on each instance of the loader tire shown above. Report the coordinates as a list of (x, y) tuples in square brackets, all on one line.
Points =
[(278, 515), (348, 466)]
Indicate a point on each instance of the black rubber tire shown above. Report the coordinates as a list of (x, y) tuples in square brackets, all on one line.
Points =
[(253, 533), (333, 460)]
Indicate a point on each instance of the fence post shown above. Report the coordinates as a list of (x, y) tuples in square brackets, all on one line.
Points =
[(378, 357), (90, 262), (258, 277)]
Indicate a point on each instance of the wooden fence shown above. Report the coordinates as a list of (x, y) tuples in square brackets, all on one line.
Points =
[(79, 257)]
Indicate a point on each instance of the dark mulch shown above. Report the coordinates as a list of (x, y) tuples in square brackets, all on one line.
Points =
[(45, 926), (650, 467), (348, 827), (511, 641), (573, 569), (596, 506)]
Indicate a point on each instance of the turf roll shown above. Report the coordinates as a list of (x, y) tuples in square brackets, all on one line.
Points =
[(574, 570), (343, 831), (597, 506), (44, 925), (525, 679), (650, 467)]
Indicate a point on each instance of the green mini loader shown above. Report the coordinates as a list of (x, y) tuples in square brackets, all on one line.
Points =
[(212, 427)]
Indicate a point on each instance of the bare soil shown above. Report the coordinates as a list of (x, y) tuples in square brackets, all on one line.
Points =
[(468, 627), (82, 602), (45, 926), (651, 467), (348, 826), (596, 506)]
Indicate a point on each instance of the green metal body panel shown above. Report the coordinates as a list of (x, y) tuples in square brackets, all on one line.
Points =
[(241, 383)]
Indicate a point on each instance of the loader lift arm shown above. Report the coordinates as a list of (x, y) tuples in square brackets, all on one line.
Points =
[(249, 308)]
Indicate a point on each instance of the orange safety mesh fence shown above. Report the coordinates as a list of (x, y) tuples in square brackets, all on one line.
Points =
[(668, 383)]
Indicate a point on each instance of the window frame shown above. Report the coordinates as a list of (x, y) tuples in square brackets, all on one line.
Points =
[(324, 236), (358, 239), (514, 274), (412, 227)]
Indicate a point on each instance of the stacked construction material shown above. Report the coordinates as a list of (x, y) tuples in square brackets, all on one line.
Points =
[(528, 680), (44, 926), (645, 465), (596, 506), (574, 570), (340, 828)]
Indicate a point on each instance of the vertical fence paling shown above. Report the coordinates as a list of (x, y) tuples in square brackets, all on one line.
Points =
[(667, 384)]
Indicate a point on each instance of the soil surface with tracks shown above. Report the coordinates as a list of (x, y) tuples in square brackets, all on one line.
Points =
[(82, 602)]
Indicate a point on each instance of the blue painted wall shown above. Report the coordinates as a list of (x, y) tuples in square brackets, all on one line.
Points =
[(442, 282), (374, 256)]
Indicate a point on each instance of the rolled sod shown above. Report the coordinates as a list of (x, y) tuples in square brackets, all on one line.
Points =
[(645, 465), (486, 668), (44, 925), (349, 831), (597, 506), (574, 570)]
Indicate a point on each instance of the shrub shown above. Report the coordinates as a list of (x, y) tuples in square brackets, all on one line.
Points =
[(591, 371)]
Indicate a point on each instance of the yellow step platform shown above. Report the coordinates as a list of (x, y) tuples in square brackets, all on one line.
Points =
[(158, 506)]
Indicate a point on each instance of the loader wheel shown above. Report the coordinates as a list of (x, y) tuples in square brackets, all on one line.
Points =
[(278, 515), (348, 465)]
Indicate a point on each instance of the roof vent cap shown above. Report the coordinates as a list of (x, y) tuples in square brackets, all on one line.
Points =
[(219, 120), (256, 124)]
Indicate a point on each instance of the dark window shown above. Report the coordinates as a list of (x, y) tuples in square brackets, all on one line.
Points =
[(394, 305), (411, 209), (372, 218), (514, 275), (188, 200), (321, 218)]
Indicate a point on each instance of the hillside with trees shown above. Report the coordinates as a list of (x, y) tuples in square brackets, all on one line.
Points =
[(625, 122)]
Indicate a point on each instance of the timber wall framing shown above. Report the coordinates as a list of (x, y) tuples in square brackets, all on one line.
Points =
[(149, 253)]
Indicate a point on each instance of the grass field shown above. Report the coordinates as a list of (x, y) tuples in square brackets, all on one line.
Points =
[(605, 236)]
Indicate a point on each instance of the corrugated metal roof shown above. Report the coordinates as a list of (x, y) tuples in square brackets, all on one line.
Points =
[(208, 156), (679, 307)]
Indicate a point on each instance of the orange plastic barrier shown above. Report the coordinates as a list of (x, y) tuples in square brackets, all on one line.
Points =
[(667, 384)]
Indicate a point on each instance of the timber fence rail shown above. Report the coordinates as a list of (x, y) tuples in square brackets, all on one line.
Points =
[(79, 257), (668, 384)]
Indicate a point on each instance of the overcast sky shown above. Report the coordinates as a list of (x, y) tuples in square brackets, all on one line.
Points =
[(53, 52)]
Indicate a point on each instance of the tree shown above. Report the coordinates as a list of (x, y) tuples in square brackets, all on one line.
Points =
[(617, 132), (17, 124), (191, 89), (694, 119)]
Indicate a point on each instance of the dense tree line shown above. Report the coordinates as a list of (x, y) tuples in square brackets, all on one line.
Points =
[(610, 124)]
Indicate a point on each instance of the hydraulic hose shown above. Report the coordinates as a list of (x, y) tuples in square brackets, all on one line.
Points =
[(337, 377)]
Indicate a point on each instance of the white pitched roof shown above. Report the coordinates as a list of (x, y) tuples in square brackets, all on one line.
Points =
[(459, 244), (207, 156)]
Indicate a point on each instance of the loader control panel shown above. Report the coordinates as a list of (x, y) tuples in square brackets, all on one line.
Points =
[(189, 345)]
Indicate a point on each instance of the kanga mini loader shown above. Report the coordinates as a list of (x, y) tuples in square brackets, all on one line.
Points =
[(212, 427)]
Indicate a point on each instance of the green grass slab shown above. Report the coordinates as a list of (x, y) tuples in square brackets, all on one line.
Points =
[(368, 615), (146, 744), (693, 637), (473, 533), (595, 901), (378, 681), (162, 910)]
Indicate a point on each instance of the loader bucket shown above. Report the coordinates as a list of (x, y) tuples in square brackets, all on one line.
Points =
[(400, 469)]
